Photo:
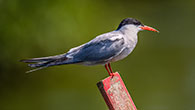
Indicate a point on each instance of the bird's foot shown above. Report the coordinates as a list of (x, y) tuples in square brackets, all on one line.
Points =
[(111, 74)]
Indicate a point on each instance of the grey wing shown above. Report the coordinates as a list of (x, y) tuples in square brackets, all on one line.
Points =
[(102, 48)]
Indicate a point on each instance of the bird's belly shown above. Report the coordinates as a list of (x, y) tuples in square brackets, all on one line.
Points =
[(123, 54)]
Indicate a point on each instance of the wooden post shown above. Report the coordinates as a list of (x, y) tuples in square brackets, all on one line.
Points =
[(115, 93)]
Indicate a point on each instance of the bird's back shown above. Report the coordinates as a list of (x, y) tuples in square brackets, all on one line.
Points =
[(100, 50)]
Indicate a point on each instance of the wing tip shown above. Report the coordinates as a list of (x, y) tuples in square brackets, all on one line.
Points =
[(30, 71)]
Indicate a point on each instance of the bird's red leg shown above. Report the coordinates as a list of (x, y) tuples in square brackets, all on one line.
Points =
[(106, 66), (110, 69)]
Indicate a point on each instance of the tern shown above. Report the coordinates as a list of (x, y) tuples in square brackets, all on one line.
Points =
[(103, 49)]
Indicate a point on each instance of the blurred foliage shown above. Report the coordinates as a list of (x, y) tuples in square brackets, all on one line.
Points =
[(159, 73)]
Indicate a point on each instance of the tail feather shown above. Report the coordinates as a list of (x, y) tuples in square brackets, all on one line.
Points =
[(39, 64), (44, 62), (34, 60), (36, 69)]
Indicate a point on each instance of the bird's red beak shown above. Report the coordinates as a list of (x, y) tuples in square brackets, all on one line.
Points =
[(148, 28)]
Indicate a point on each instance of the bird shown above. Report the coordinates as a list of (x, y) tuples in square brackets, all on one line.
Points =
[(102, 50)]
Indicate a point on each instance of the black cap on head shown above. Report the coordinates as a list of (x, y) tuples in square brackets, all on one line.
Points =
[(129, 21)]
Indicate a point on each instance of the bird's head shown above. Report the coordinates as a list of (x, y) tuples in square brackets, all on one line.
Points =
[(133, 24)]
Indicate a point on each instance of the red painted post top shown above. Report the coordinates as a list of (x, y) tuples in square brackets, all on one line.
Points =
[(115, 93)]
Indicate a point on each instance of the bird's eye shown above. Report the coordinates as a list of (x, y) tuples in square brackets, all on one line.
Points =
[(137, 23)]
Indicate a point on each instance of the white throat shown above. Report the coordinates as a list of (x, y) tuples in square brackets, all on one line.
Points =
[(130, 31)]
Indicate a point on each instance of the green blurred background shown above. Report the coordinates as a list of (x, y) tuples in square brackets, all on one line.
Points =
[(160, 73)]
